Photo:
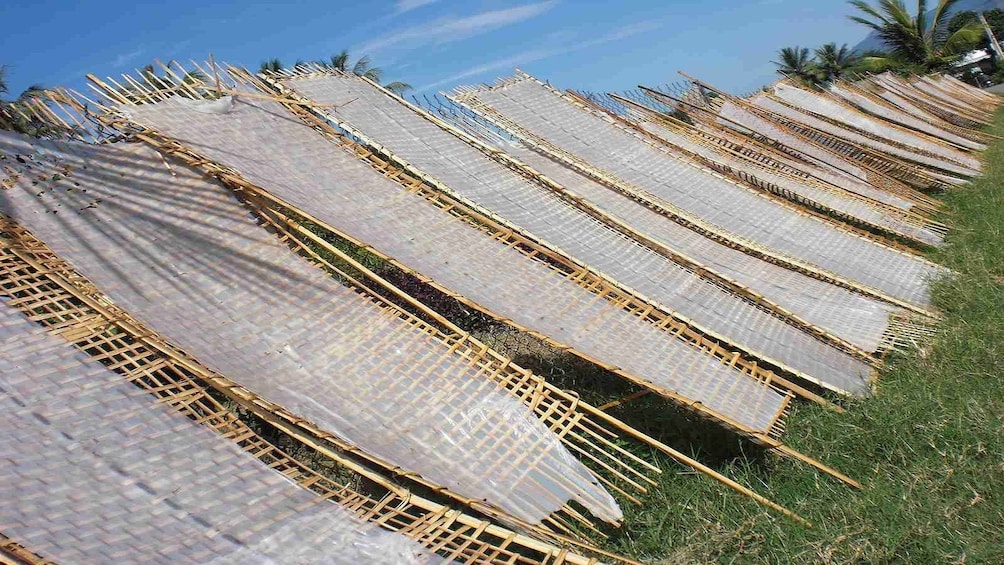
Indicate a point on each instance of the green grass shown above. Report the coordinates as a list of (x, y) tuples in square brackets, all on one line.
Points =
[(928, 449)]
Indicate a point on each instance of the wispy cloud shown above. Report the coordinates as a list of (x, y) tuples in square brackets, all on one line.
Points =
[(402, 6), (122, 59), (446, 30), (532, 55)]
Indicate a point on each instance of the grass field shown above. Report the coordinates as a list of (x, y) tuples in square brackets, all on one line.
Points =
[(928, 449)]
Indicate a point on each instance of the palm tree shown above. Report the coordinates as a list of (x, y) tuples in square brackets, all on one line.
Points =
[(271, 66), (24, 122), (915, 40), (362, 68), (796, 62), (832, 62)]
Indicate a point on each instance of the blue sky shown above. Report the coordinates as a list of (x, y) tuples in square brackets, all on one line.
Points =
[(594, 45)]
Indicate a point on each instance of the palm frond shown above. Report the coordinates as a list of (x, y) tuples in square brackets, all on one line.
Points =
[(362, 65), (341, 60), (398, 87)]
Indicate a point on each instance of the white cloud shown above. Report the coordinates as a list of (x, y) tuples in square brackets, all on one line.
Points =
[(123, 59), (447, 30), (538, 54), (402, 6)]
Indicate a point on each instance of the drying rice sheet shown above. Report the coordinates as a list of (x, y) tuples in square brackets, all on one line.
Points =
[(901, 102), (496, 188), (934, 96), (183, 256), (931, 88), (733, 209), (819, 105), (976, 93), (822, 172), (278, 153), (858, 319), (842, 167), (95, 470), (903, 118), (856, 208)]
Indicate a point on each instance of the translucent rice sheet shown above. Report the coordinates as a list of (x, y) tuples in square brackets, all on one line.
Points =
[(836, 163), (500, 190), (289, 159), (94, 470), (860, 320), (772, 105), (733, 209), (820, 171), (829, 199), (903, 118), (932, 88), (834, 110), (179, 253)]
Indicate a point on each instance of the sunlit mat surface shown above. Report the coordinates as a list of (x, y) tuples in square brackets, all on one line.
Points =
[(937, 163), (856, 208), (95, 470), (290, 160), (180, 254), (854, 317), (496, 188), (902, 117), (735, 210), (822, 105)]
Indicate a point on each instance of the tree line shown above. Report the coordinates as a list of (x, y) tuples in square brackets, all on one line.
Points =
[(919, 43)]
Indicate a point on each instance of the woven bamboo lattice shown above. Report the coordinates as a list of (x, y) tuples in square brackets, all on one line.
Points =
[(350, 196), (796, 151), (938, 107), (893, 99), (739, 139), (953, 98), (651, 313), (982, 98), (881, 109), (404, 133), (96, 471), (773, 176), (191, 249), (866, 322), (13, 553), (580, 137), (830, 110), (618, 469), (932, 164), (48, 291), (915, 175), (602, 290)]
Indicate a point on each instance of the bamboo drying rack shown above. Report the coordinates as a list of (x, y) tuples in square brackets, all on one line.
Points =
[(13, 553), (52, 294), (500, 229), (763, 143), (935, 121), (110, 118), (894, 126), (881, 234), (532, 390), (468, 97), (914, 174)]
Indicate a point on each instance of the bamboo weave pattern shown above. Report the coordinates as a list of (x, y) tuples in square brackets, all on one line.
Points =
[(493, 186), (733, 209), (96, 471), (348, 194), (372, 379)]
